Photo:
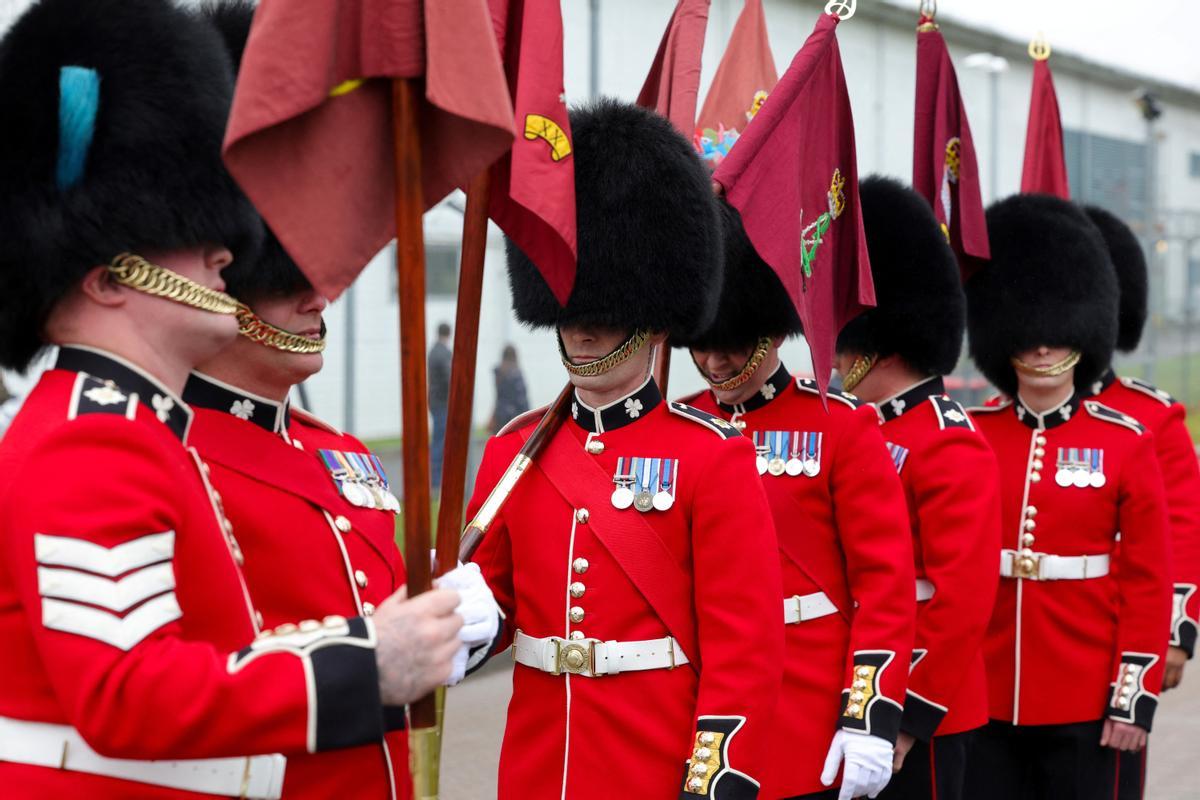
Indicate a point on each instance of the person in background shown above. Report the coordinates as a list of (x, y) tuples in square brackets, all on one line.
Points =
[(511, 398), (439, 396)]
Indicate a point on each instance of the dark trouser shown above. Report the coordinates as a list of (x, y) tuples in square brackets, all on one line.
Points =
[(1131, 775), (827, 794), (437, 444), (1041, 762), (936, 772)]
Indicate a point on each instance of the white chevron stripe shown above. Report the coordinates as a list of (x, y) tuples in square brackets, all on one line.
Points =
[(115, 595), (121, 632), (68, 551)]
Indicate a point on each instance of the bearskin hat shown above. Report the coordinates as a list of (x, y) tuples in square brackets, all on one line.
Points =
[(1132, 277), (1050, 282), (753, 302), (273, 273), (649, 243), (921, 310), (116, 114)]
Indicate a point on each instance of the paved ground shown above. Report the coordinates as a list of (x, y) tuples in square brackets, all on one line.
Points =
[(475, 720)]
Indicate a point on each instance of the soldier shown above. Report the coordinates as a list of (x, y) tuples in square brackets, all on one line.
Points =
[(910, 339), (134, 661), (1074, 649), (312, 506), (1163, 415), (635, 560), (843, 539)]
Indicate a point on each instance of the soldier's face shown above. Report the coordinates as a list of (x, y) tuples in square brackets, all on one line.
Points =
[(1040, 357), (585, 344), (299, 313), (721, 365), (197, 334)]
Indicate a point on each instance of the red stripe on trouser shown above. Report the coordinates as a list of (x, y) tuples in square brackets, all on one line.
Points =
[(932, 771)]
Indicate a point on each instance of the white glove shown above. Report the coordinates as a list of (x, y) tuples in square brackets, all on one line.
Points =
[(868, 764), (477, 607)]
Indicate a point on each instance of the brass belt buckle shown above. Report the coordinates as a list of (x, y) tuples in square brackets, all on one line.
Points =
[(1025, 566), (574, 658)]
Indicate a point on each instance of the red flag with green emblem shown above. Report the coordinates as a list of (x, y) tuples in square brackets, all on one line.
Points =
[(310, 135), (1045, 167), (945, 169), (793, 176)]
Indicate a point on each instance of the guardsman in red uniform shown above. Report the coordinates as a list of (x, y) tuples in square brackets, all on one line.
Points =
[(312, 506), (1075, 648), (133, 664), (1163, 415), (843, 541), (635, 560), (901, 348)]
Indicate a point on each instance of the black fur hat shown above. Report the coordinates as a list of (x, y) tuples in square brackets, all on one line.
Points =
[(141, 119), (273, 273), (1132, 277), (1050, 282), (921, 310), (649, 241), (753, 301)]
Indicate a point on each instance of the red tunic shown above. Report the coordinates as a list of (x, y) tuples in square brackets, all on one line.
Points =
[(843, 532), (563, 561), (953, 488), (1159, 412), (123, 608), (1058, 651), (308, 552)]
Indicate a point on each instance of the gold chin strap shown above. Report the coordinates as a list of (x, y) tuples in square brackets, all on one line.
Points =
[(1051, 371), (603, 365), (761, 348), (266, 334), (139, 274), (858, 370)]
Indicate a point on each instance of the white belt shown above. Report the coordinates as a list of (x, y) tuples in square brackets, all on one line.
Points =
[(44, 744), (804, 607), (925, 590), (1045, 567), (593, 658)]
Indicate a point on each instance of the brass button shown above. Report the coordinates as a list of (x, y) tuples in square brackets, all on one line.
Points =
[(863, 672), (1128, 678), (577, 589), (1030, 524), (360, 578), (1039, 451), (700, 768), (258, 617), (703, 754), (857, 697), (309, 625), (595, 447), (858, 685), (577, 635), (707, 739), (580, 565), (1027, 540), (576, 614), (581, 516), (207, 469), (1034, 477), (368, 609), (342, 524), (286, 628), (853, 710), (1040, 441), (1037, 463), (696, 784), (1030, 511), (334, 621)]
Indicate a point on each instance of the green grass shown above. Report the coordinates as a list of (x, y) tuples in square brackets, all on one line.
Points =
[(1179, 375)]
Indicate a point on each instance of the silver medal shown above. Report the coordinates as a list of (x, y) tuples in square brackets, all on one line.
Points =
[(1081, 479), (1097, 480), (761, 463), (355, 494), (1063, 477), (812, 467), (794, 466), (643, 501), (663, 500), (622, 497)]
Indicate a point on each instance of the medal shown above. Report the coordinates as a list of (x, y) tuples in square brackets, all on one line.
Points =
[(644, 500), (1097, 479), (622, 496), (355, 494), (1079, 470), (1062, 475), (794, 465), (663, 498), (812, 463), (760, 455), (390, 501)]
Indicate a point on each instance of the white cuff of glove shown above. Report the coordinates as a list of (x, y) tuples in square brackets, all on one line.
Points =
[(477, 607), (867, 768)]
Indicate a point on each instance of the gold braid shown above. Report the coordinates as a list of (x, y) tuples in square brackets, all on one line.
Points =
[(139, 274), (603, 365), (1051, 371), (264, 333), (761, 348), (862, 365)]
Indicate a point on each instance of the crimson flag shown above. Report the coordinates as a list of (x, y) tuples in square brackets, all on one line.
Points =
[(310, 134), (945, 169), (744, 77), (1045, 169), (793, 175), (532, 196), (673, 86)]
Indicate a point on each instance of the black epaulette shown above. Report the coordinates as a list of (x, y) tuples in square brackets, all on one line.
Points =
[(950, 413), (1139, 385), (809, 385), (94, 396), (714, 424), (1112, 415)]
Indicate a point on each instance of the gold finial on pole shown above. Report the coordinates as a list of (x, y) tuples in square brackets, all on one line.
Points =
[(1039, 48)]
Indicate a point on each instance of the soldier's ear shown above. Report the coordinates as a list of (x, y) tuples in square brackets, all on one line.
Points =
[(777, 341), (99, 287)]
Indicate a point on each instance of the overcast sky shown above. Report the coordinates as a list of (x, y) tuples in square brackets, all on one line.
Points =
[(1157, 39)]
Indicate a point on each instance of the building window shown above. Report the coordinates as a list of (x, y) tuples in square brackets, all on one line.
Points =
[(441, 271), (1107, 172), (1194, 165)]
